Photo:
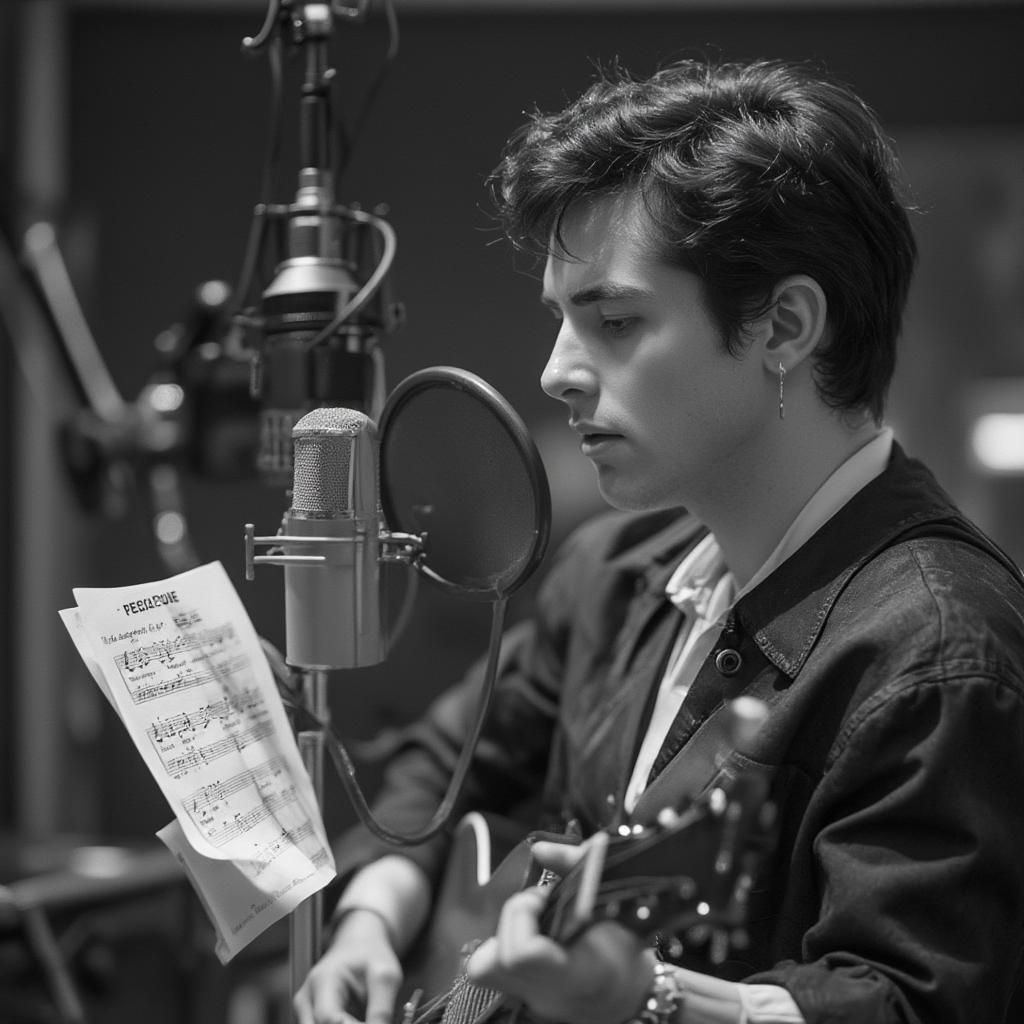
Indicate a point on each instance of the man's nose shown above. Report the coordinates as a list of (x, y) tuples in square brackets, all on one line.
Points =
[(568, 370)]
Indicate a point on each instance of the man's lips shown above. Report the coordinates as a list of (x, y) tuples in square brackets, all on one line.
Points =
[(594, 441), (587, 429)]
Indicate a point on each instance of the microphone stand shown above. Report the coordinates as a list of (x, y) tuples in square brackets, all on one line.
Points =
[(317, 264), (305, 926)]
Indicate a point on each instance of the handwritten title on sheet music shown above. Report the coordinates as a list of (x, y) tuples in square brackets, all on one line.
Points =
[(146, 604)]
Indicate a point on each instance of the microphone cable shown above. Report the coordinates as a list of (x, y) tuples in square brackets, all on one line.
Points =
[(345, 767)]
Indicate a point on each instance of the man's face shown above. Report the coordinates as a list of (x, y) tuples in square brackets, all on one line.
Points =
[(665, 413)]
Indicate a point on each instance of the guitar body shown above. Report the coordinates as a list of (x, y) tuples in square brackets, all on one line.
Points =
[(469, 903), (687, 877)]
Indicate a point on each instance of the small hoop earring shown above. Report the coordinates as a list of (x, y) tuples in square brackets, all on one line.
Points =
[(782, 392)]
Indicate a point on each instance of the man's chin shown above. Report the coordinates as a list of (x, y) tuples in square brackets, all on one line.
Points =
[(628, 498)]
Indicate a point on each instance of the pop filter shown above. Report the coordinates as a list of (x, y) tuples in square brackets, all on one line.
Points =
[(459, 468)]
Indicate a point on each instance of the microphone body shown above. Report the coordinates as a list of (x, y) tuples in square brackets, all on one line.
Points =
[(313, 281), (307, 356), (333, 613)]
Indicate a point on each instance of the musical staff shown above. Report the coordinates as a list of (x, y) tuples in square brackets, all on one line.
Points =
[(191, 722), (208, 796), (180, 766), (303, 837), (167, 650), (189, 678)]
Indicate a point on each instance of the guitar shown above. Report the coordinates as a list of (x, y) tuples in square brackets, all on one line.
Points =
[(684, 880)]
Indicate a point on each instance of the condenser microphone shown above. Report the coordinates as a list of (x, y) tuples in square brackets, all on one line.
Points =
[(309, 286), (333, 609), (320, 319)]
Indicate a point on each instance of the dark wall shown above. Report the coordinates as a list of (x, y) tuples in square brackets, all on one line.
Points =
[(6, 398), (168, 134)]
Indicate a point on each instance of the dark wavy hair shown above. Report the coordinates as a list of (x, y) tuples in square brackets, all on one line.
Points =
[(750, 173)]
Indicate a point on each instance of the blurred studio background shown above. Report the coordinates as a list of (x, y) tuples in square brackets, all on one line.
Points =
[(133, 138)]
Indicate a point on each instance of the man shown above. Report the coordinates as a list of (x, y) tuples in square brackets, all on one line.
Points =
[(727, 261)]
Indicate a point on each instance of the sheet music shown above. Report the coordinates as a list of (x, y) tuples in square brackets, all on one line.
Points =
[(182, 665)]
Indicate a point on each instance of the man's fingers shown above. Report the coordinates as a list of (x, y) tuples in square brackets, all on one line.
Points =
[(322, 998), (557, 857), (517, 926), (515, 947), (382, 984), (483, 962), (301, 1006)]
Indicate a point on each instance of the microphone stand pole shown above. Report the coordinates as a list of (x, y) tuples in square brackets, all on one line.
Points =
[(314, 23), (306, 920), (313, 234)]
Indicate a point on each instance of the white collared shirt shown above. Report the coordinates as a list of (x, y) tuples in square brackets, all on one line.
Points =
[(704, 590)]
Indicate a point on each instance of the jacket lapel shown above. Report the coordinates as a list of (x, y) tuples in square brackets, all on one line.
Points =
[(644, 643)]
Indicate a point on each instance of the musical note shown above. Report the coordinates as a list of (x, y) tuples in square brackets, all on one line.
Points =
[(231, 705), (135, 658), (189, 678)]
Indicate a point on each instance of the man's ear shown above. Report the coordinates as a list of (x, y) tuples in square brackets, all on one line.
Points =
[(795, 323)]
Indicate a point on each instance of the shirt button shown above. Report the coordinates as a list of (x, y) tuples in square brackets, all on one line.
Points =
[(728, 662)]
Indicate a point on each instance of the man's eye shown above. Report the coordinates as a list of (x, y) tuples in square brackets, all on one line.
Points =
[(617, 325)]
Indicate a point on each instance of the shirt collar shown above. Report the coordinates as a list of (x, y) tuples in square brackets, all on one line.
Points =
[(697, 578)]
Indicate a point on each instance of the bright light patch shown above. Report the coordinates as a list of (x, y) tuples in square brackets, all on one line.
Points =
[(167, 397), (169, 527), (997, 441)]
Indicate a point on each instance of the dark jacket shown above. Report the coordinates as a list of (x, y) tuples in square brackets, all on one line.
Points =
[(890, 650)]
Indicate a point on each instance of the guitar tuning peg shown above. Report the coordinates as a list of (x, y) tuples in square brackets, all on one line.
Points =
[(718, 801), (643, 910), (686, 888), (668, 817), (719, 946)]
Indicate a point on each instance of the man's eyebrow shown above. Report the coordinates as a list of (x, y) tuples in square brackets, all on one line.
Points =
[(601, 293)]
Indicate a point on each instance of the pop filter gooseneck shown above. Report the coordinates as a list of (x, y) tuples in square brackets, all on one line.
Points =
[(460, 472)]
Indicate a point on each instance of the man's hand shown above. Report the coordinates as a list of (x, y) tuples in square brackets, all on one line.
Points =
[(357, 978), (601, 978)]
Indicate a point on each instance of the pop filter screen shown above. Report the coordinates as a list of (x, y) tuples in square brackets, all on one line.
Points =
[(458, 465)]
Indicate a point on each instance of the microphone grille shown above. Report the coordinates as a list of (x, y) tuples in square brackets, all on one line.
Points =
[(324, 442)]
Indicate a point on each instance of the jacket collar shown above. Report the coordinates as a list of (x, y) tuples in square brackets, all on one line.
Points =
[(787, 611)]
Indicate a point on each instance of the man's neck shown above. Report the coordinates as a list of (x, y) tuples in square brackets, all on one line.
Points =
[(751, 508)]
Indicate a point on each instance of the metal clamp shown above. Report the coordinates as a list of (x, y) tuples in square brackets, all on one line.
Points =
[(407, 548)]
